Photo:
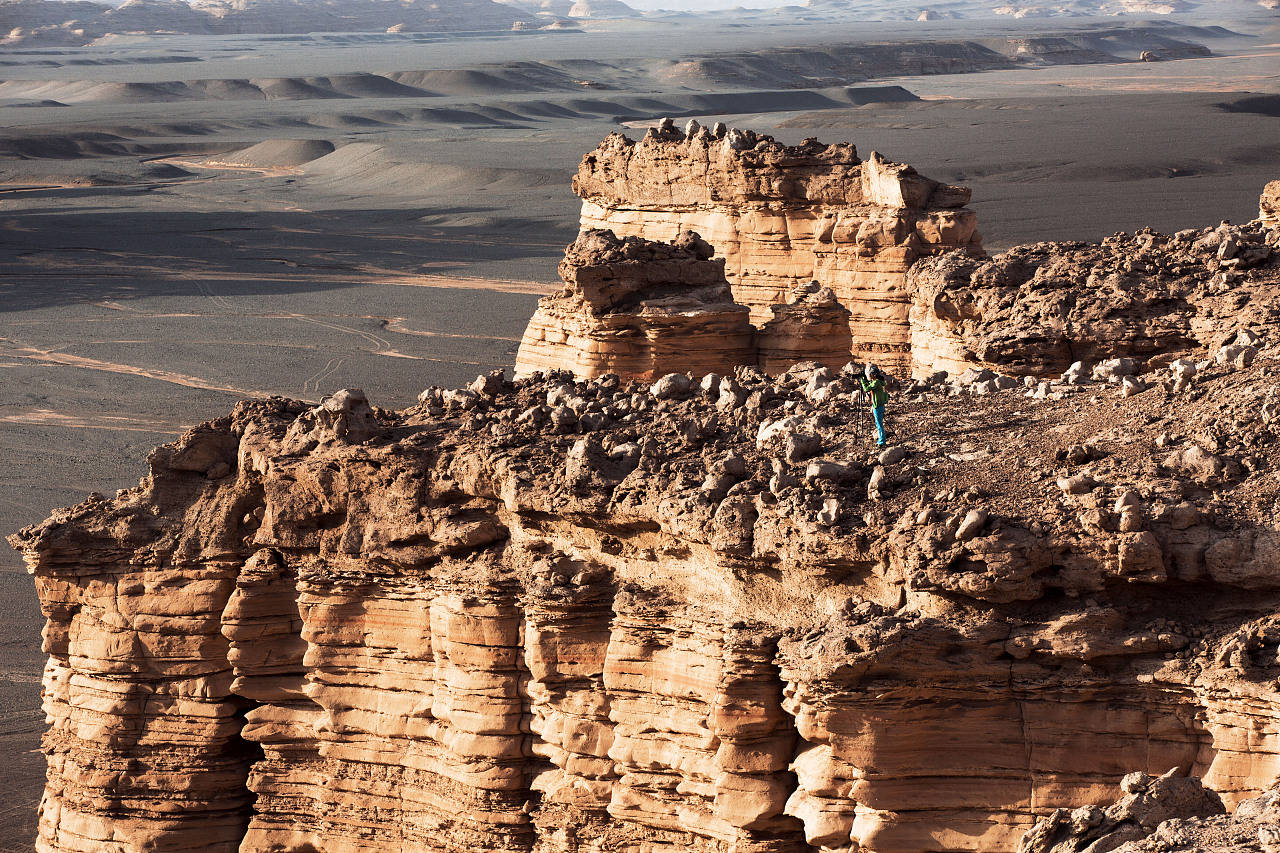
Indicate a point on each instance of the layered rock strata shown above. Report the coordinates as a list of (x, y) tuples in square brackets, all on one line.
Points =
[(813, 326), (782, 216), (558, 615), (639, 309)]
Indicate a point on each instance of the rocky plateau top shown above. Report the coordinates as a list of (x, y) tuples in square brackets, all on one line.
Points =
[(701, 610)]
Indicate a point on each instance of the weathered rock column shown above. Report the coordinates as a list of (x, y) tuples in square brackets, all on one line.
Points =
[(783, 216)]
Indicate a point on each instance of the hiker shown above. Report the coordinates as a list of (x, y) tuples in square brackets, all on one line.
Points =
[(873, 385)]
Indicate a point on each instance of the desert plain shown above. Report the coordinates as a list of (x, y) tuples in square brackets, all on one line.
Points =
[(190, 220)]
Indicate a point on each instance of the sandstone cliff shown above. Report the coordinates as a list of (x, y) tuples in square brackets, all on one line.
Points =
[(783, 216), (639, 309), (1034, 310), (555, 615), (560, 615)]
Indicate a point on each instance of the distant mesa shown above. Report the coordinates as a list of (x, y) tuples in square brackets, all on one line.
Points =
[(53, 22), (166, 171), (80, 22), (486, 81), (601, 9), (278, 153), (574, 8)]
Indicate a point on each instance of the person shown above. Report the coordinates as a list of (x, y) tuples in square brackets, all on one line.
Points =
[(873, 386)]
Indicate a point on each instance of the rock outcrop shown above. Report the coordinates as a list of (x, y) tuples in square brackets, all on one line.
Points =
[(1269, 204), (701, 611), (877, 241), (1038, 309), (782, 216), (639, 309), (813, 326), (1171, 814), (557, 615)]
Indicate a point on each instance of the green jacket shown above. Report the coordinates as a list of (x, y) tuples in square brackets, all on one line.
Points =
[(876, 389)]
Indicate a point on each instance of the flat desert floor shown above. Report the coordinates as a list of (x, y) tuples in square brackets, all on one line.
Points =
[(188, 221)]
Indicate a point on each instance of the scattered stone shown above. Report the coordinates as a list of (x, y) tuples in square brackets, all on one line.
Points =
[(673, 386), (1130, 387), (877, 483), (488, 384), (1078, 484), (973, 522), (1114, 369), (800, 447), (827, 470), (893, 455)]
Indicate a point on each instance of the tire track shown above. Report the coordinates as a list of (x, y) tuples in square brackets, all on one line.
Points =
[(220, 301), (313, 382), (379, 342)]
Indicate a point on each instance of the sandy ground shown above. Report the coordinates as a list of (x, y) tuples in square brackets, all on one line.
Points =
[(163, 256)]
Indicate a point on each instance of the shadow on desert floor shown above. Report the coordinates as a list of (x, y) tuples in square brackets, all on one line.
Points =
[(64, 256)]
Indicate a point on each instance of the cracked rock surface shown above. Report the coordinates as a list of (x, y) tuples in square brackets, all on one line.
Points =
[(1038, 309)]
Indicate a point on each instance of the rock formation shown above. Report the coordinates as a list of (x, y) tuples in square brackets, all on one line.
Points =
[(813, 326), (1172, 814), (562, 615), (701, 611), (639, 309), (1269, 204), (1037, 309), (777, 214), (782, 216)]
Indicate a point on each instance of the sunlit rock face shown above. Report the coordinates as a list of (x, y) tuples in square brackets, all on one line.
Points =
[(639, 309), (1269, 204), (784, 216), (659, 591), (560, 615)]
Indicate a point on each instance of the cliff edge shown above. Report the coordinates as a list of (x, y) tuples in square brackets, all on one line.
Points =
[(561, 615)]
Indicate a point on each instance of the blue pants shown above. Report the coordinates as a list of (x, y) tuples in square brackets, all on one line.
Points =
[(877, 414)]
